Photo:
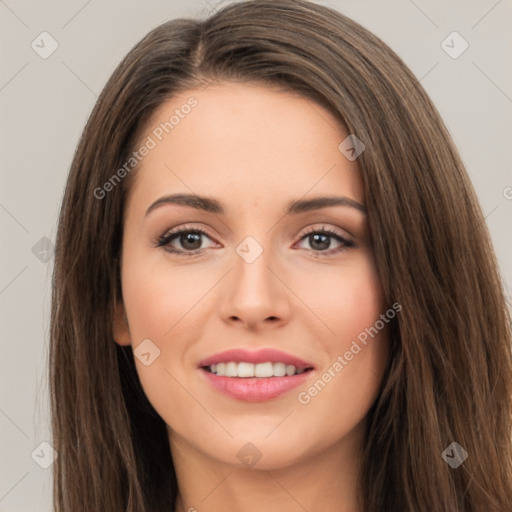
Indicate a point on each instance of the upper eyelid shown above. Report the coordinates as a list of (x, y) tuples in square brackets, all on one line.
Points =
[(316, 227), (181, 229)]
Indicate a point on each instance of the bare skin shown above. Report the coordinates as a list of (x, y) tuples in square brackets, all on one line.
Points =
[(254, 149)]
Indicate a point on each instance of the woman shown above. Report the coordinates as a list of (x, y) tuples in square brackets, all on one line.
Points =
[(335, 338)]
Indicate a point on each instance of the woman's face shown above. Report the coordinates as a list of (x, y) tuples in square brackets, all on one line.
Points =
[(262, 276)]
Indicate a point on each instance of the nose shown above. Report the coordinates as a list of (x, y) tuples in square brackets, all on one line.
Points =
[(254, 294)]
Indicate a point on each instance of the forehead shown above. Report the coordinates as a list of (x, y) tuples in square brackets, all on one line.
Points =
[(247, 143)]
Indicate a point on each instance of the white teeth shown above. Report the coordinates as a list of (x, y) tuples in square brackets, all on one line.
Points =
[(245, 370), (248, 370), (279, 369), (231, 370), (264, 370)]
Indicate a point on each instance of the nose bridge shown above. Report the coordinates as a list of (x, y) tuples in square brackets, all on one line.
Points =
[(254, 292), (252, 276)]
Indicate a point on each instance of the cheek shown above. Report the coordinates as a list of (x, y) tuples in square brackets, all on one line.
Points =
[(164, 305), (158, 297), (357, 346), (358, 300), (347, 299), (362, 339)]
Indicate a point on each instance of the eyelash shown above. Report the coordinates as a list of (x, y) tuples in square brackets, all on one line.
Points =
[(166, 239)]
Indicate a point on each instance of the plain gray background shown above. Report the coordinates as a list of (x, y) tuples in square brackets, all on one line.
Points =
[(44, 104)]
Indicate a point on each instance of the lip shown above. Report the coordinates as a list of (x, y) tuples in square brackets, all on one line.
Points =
[(260, 356), (255, 389)]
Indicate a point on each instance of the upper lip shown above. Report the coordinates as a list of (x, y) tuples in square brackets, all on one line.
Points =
[(259, 356)]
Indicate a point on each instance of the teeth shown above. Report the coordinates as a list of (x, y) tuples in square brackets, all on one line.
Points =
[(264, 370), (247, 370), (290, 369), (231, 370), (279, 369)]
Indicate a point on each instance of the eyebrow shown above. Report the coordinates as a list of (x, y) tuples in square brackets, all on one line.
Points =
[(210, 205)]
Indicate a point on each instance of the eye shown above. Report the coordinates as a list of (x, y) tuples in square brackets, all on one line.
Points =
[(320, 241), (188, 238)]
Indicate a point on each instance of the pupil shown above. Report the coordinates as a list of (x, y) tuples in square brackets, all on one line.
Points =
[(316, 239)]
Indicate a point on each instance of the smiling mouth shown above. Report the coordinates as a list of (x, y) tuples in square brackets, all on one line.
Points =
[(245, 370)]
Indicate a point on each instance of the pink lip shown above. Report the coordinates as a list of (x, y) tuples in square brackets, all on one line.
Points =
[(260, 356), (255, 389)]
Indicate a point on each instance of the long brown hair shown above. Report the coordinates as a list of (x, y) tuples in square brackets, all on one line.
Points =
[(449, 377)]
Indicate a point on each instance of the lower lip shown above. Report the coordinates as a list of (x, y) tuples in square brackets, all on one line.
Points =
[(255, 389)]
